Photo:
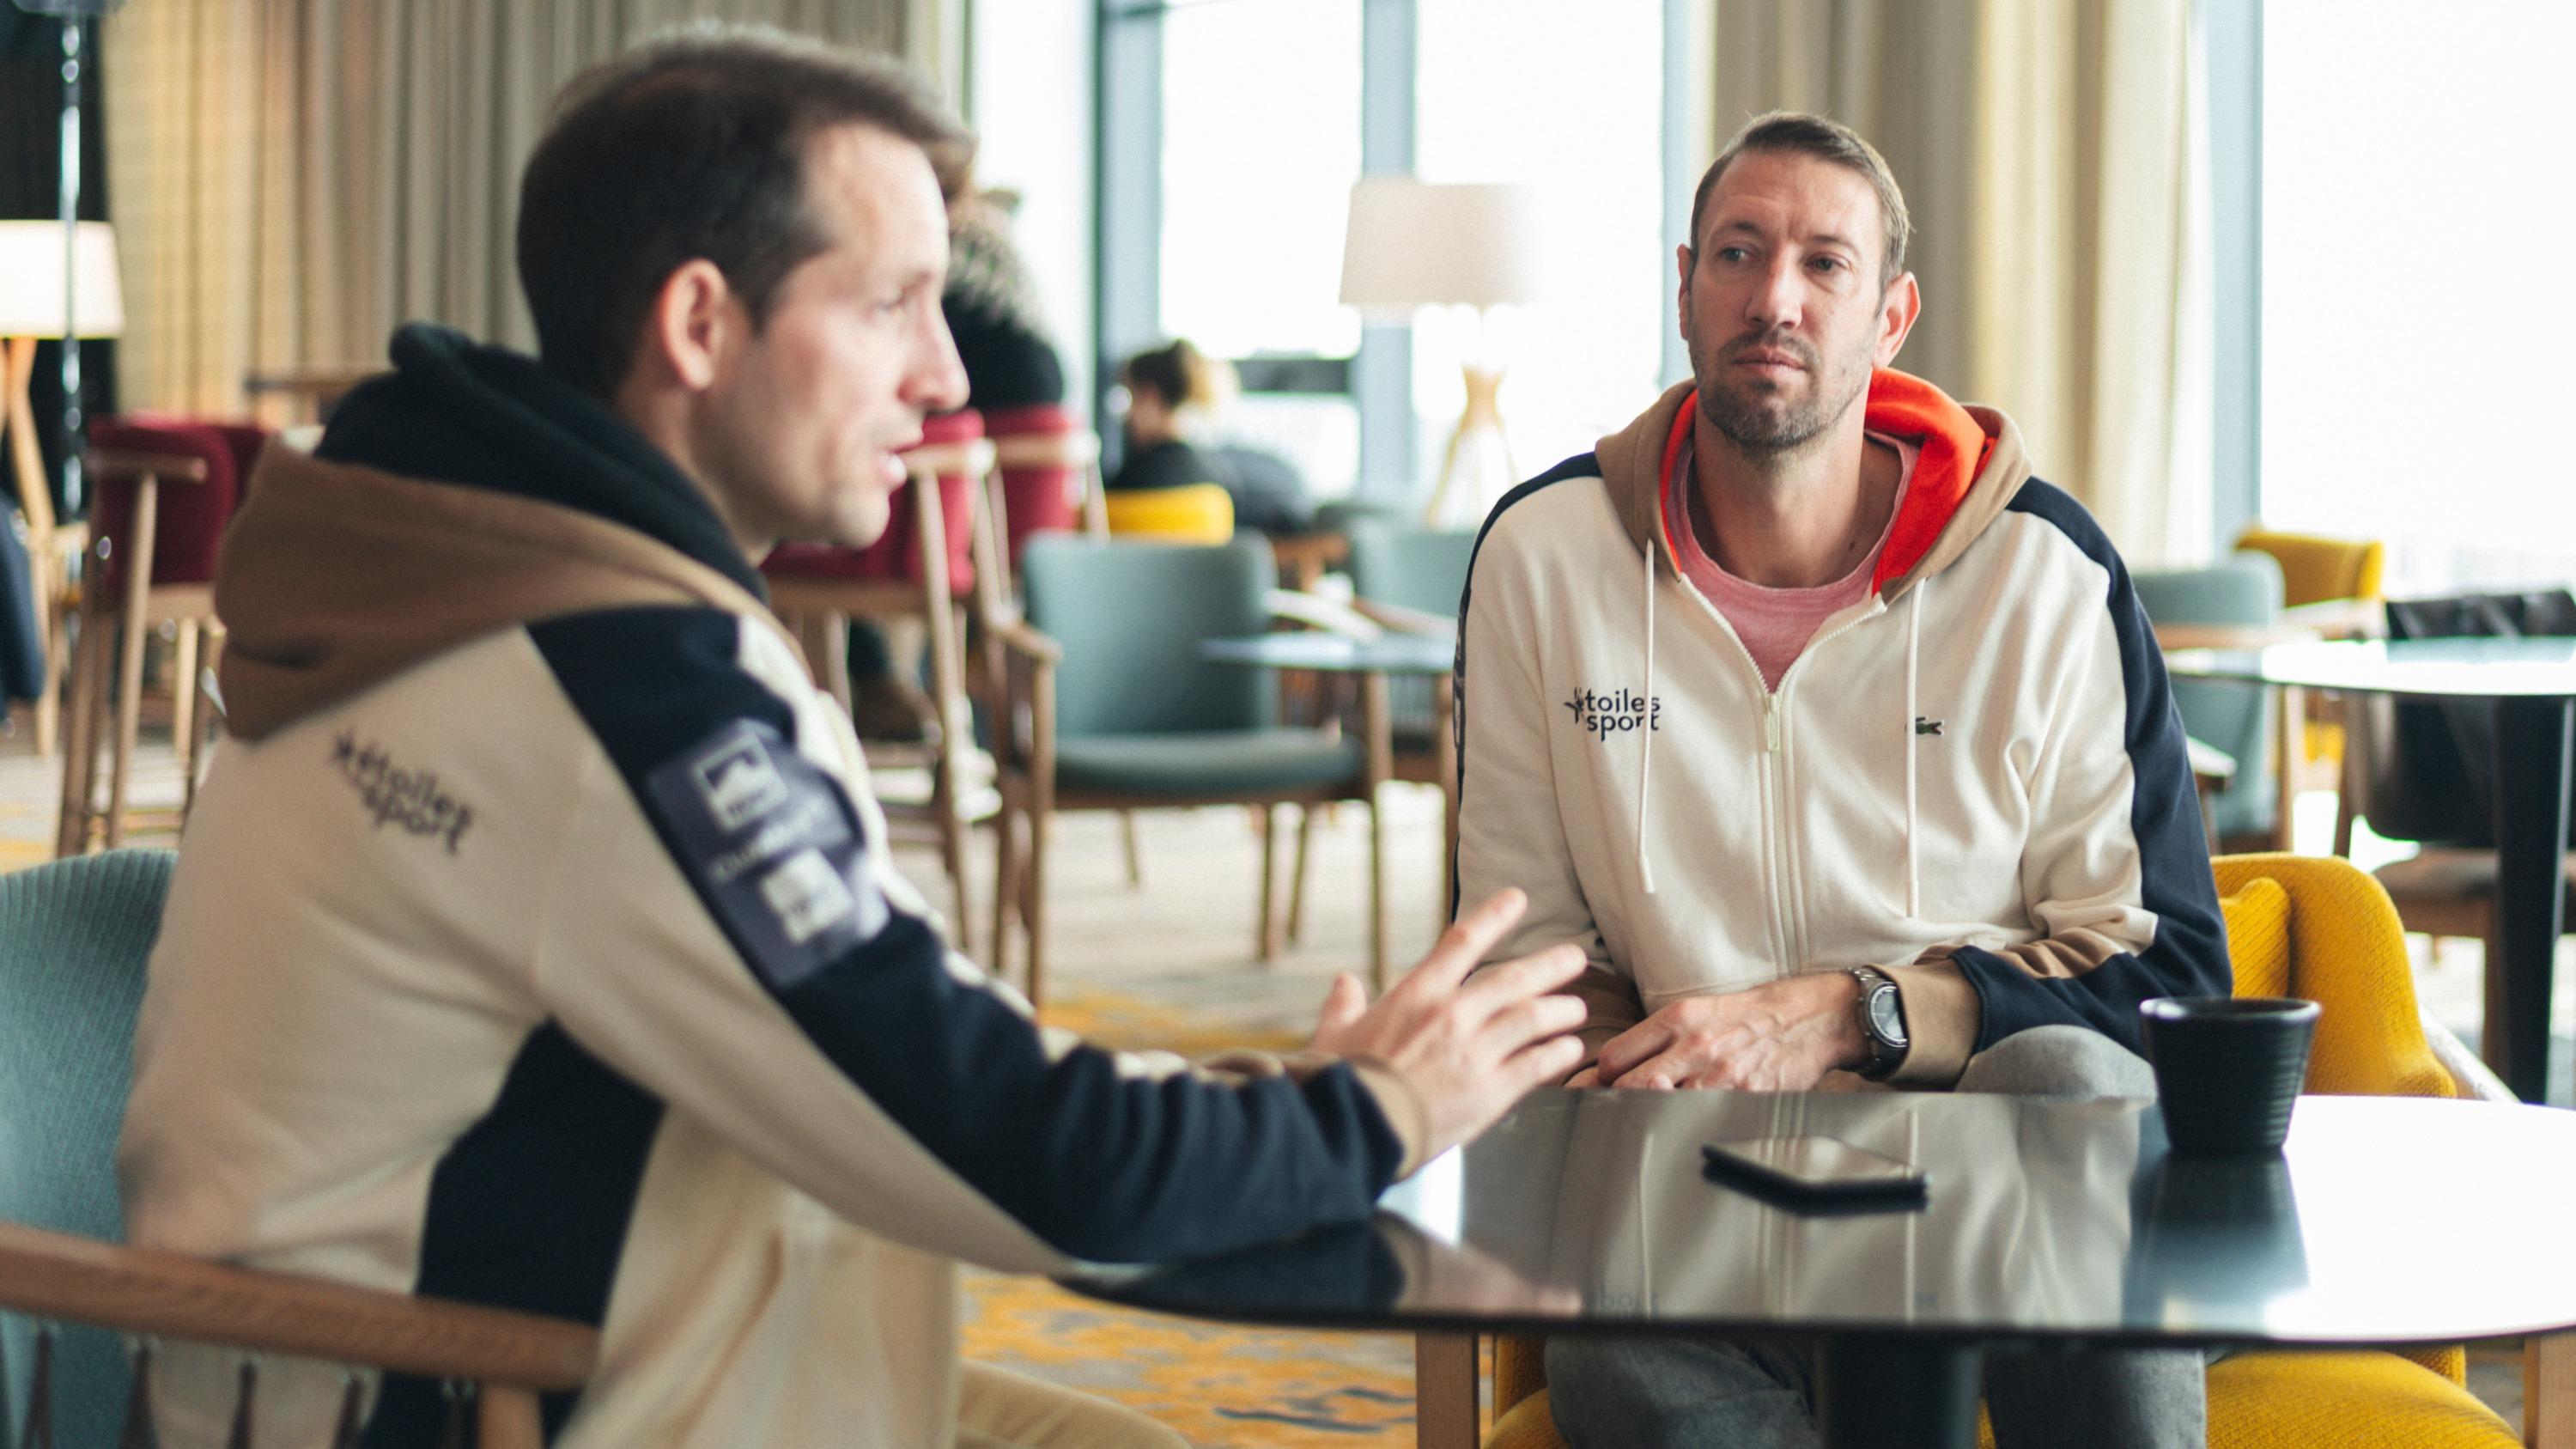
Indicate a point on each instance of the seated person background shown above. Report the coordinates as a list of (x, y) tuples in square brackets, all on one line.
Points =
[(534, 942), (1841, 741), (1171, 393)]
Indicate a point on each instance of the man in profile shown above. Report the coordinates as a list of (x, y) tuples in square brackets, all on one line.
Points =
[(533, 941), (1841, 742)]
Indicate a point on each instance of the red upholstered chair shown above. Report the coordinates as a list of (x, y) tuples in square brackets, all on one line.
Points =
[(1050, 473), (925, 568), (165, 488)]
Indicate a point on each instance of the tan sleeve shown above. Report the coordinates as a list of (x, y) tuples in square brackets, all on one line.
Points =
[(1942, 1016), (1401, 1101), (1943, 1013)]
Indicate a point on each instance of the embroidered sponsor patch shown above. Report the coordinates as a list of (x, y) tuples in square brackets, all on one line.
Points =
[(772, 844), (410, 800)]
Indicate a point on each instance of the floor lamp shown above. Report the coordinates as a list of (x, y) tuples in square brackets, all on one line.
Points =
[(1415, 244), (33, 305)]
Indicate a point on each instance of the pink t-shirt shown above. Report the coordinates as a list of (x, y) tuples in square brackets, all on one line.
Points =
[(1775, 624)]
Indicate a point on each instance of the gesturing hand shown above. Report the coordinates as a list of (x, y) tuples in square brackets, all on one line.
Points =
[(1782, 1036), (1471, 1048)]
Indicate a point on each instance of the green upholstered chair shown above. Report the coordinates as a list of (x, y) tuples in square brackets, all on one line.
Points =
[(2243, 589), (1410, 578), (1108, 703), (74, 936)]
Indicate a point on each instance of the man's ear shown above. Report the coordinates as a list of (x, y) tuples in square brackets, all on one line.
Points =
[(1896, 313), (691, 329), (1685, 258)]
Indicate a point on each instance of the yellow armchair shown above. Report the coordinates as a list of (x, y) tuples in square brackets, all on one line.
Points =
[(1192, 513), (2296, 926)]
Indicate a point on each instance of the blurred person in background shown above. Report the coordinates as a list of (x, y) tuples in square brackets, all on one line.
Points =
[(1173, 393)]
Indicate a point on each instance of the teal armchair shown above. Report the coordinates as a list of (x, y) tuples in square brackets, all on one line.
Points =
[(1106, 702), (74, 936), (2242, 590)]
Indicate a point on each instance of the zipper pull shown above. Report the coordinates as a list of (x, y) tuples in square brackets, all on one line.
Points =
[(1771, 725)]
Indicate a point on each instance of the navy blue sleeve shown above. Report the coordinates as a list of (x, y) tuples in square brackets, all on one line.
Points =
[(1100, 1165), (2189, 954)]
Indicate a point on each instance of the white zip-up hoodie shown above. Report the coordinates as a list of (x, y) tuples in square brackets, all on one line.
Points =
[(1974, 780)]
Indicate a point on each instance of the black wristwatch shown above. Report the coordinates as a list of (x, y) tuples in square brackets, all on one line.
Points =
[(1882, 1022)]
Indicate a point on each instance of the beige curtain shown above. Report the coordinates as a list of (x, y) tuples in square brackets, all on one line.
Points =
[(2053, 158), (293, 178)]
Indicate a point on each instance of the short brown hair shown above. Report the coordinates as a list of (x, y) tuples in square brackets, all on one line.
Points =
[(1827, 140), (693, 145)]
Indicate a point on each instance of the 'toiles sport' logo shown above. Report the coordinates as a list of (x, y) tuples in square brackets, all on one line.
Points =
[(1617, 711)]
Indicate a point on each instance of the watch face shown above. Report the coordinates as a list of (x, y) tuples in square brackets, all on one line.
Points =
[(1887, 1016)]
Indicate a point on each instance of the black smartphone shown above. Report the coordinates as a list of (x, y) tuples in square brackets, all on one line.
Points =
[(1816, 1173)]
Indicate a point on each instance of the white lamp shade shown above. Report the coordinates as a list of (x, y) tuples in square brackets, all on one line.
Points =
[(1420, 244), (31, 280)]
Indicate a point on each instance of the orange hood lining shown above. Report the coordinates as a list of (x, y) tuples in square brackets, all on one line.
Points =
[(1953, 450)]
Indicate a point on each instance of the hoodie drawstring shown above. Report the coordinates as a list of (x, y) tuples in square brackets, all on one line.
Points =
[(1646, 736), (1913, 650)]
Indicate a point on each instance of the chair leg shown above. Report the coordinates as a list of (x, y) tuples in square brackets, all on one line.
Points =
[(1297, 875), (183, 690), (2549, 1391), (1265, 931), (1377, 897), (948, 686), (1006, 870), (507, 1418), (1033, 906), (1445, 1391), (1135, 856), (81, 732), (129, 721), (49, 619)]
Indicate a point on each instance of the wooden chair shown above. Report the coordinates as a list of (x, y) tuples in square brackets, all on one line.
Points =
[(73, 938), (155, 566), (1047, 477), (818, 591), (1106, 703)]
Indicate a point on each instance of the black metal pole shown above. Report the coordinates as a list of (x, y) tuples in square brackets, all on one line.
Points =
[(2533, 738), (74, 440)]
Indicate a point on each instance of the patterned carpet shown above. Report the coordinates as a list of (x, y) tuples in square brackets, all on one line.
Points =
[(1216, 1385)]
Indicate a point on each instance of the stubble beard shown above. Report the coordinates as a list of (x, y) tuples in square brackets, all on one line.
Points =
[(1753, 420)]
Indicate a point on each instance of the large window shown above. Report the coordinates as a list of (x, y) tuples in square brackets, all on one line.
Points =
[(1237, 176), (1261, 142), (1509, 91), (2415, 229)]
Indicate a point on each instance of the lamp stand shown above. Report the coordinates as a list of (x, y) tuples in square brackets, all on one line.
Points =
[(1483, 414)]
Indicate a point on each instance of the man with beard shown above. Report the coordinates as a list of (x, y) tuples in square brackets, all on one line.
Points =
[(1899, 792)]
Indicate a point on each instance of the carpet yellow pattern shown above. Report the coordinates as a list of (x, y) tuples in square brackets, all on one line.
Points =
[(1213, 1383)]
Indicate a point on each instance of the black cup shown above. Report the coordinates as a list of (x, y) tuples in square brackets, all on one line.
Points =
[(2228, 1069)]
